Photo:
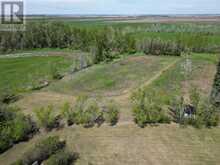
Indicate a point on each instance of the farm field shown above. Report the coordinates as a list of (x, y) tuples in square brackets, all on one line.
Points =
[(113, 90)]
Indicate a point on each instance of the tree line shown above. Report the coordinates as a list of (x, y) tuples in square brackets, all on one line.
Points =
[(103, 42)]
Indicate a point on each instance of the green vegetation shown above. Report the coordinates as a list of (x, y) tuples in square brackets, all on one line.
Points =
[(199, 113), (111, 37), (116, 76), (146, 110), (21, 74), (14, 127), (86, 111), (111, 113), (61, 158), (41, 151), (215, 95), (46, 118), (67, 113), (159, 47)]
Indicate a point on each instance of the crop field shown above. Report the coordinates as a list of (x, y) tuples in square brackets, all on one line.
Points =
[(114, 91)]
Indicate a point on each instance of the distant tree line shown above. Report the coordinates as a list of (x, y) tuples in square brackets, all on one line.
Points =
[(104, 43)]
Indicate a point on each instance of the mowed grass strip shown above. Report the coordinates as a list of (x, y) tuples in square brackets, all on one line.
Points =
[(129, 144), (18, 73), (114, 77)]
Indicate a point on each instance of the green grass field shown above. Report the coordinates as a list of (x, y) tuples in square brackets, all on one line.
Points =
[(21, 70), (18, 73)]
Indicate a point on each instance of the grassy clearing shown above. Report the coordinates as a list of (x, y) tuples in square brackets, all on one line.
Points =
[(20, 70), (114, 77), (18, 73)]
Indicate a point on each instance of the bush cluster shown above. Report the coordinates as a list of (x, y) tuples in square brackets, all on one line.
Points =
[(111, 113), (87, 112), (48, 151), (46, 118), (146, 110), (14, 127), (204, 112), (61, 158), (41, 151)]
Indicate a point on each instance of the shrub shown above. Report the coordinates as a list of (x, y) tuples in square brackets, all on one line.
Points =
[(55, 74), (15, 127), (46, 118), (42, 150), (146, 110), (61, 158), (195, 97), (68, 113), (5, 114), (79, 109), (22, 128), (6, 140), (204, 112), (111, 113), (92, 112), (86, 112), (177, 110)]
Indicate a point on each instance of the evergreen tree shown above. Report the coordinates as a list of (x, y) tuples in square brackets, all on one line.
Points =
[(215, 95)]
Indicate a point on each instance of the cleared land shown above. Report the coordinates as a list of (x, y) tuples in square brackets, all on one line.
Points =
[(126, 143), (115, 80)]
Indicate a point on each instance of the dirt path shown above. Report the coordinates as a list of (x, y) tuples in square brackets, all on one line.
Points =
[(128, 91), (123, 99)]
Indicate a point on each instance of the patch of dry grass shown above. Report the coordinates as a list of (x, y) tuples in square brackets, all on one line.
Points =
[(128, 144)]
